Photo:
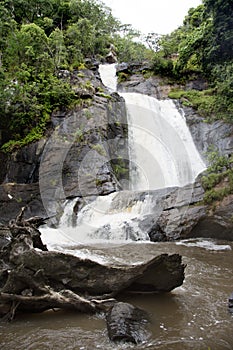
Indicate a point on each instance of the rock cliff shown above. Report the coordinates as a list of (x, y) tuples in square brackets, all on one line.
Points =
[(79, 155)]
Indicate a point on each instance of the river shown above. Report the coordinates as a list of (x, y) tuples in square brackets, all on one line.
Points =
[(193, 316)]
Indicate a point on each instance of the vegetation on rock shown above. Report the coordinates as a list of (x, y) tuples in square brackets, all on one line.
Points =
[(218, 180)]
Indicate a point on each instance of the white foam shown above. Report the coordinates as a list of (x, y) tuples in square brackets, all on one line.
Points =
[(206, 244)]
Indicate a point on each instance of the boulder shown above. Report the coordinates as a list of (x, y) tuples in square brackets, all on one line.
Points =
[(230, 303), (126, 322), (111, 58)]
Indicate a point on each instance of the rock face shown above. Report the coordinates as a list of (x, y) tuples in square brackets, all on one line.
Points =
[(217, 223), (135, 81), (78, 157), (206, 135), (14, 196)]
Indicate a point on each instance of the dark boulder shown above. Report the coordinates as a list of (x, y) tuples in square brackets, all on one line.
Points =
[(230, 303), (126, 322), (111, 58), (156, 234)]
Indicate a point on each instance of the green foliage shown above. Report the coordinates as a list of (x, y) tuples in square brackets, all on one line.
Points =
[(34, 134), (102, 94), (122, 77), (216, 195), (221, 48), (203, 101), (218, 181), (129, 50), (218, 163), (57, 49), (202, 47), (162, 66), (211, 180), (99, 149), (37, 39), (120, 167)]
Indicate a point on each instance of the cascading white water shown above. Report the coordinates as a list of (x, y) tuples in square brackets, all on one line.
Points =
[(162, 150), (162, 154), (108, 76)]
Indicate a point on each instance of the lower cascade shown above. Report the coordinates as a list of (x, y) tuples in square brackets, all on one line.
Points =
[(162, 154)]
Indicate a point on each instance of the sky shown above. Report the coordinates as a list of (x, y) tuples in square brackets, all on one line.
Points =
[(158, 16)]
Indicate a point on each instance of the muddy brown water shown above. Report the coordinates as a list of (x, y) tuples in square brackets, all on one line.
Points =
[(193, 316)]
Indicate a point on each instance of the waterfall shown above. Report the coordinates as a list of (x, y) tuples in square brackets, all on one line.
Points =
[(162, 154), (161, 148)]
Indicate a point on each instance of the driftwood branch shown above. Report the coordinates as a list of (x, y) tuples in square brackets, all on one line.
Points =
[(51, 300)]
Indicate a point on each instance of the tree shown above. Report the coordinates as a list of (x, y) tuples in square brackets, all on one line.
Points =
[(222, 34), (28, 46), (153, 41), (58, 48)]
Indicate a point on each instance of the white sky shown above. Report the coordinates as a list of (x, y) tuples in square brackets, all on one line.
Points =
[(159, 16)]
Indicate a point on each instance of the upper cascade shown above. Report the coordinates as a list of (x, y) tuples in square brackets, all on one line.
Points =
[(108, 76)]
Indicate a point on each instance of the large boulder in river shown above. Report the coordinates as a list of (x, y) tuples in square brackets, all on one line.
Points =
[(126, 322), (230, 303)]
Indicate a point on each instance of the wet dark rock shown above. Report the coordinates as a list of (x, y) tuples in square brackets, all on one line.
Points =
[(111, 58), (70, 272), (174, 212), (133, 67), (165, 274), (3, 169), (23, 165), (230, 303), (5, 237), (196, 84), (14, 196), (127, 323), (136, 82), (156, 234), (216, 223)]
